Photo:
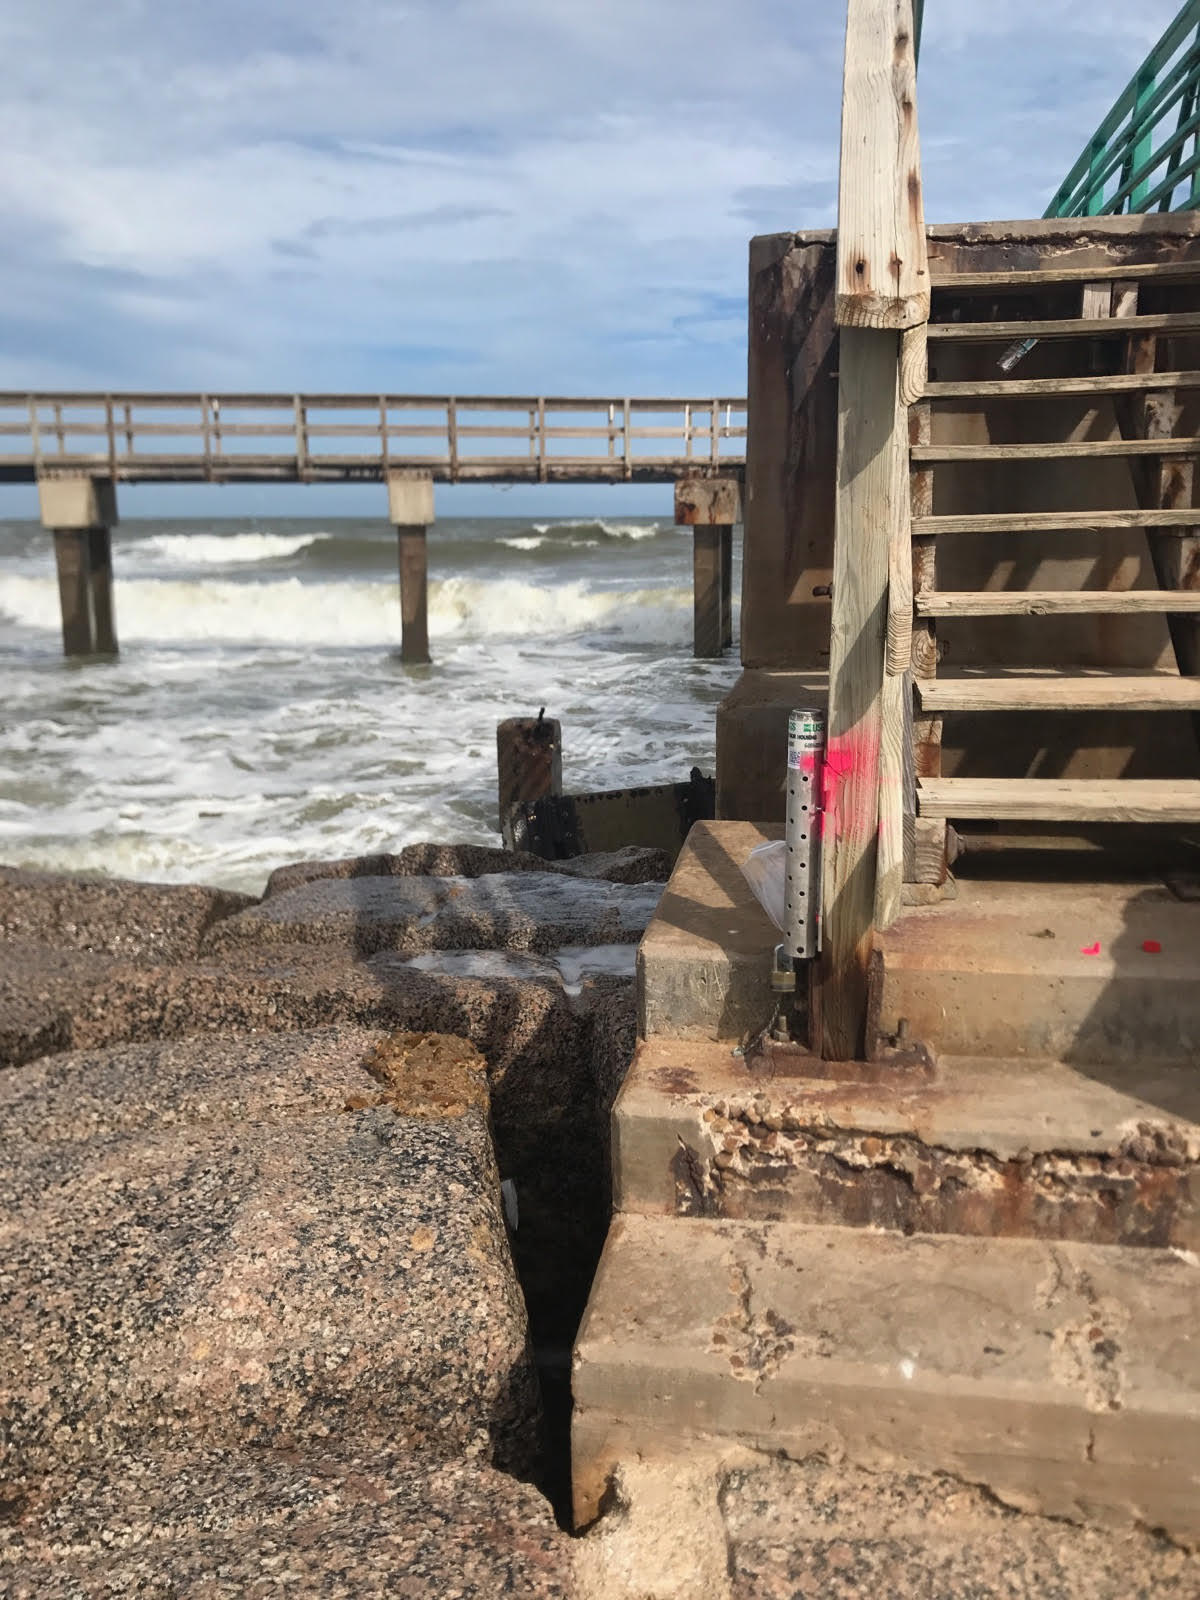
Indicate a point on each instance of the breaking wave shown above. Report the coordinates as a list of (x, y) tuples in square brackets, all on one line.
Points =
[(289, 611)]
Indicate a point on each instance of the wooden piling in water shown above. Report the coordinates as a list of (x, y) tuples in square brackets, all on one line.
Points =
[(726, 587), (710, 507), (80, 512), (410, 510), (528, 764), (707, 591)]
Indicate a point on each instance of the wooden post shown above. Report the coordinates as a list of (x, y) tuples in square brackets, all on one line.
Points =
[(80, 512), (71, 557), (414, 594), (410, 509), (710, 507), (104, 630), (707, 598), (528, 764), (872, 490), (882, 289), (726, 587), (882, 264)]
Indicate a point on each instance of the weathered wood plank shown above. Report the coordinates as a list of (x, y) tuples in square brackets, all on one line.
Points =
[(1040, 388), (1172, 800), (882, 264), (1051, 450), (863, 802), (1054, 691), (1052, 521), (1054, 602), (1066, 327), (1052, 276)]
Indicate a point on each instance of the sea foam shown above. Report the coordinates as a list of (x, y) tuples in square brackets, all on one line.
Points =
[(289, 611)]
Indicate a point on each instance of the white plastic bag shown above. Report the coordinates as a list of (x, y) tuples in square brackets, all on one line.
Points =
[(765, 870)]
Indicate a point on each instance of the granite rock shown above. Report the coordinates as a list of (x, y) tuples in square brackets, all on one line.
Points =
[(634, 864), (798, 1529), (254, 1241), (41, 992), (721, 1523), (536, 1038), (340, 1521), (511, 911), (111, 916)]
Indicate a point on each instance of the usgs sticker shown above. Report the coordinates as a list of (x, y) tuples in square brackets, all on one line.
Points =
[(806, 735)]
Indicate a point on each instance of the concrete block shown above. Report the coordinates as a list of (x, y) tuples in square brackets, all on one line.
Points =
[(410, 500), (987, 1148), (705, 502), (1064, 1378), (77, 502), (704, 962)]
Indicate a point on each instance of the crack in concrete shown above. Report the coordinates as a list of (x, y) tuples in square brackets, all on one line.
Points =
[(1086, 1352), (755, 1343)]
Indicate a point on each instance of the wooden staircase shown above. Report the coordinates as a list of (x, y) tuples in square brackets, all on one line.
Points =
[(1110, 385)]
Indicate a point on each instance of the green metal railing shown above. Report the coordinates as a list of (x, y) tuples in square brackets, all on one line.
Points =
[(1138, 159)]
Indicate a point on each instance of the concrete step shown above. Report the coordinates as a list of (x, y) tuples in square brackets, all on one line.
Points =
[(1064, 1378), (1079, 972), (1017, 1148), (1087, 973)]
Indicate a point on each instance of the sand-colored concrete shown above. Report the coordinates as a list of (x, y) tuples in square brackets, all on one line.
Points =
[(986, 1147), (1089, 973), (1064, 1378), (1086, 972), (702, 970), (752, 723)]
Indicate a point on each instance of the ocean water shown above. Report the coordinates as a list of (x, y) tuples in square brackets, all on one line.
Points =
[(257, 713)]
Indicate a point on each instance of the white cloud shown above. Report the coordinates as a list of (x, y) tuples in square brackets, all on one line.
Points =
[(468, 194)]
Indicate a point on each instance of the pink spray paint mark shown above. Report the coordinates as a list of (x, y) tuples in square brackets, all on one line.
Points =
[(1152, 947), (848, 783), (1090, 949), (808, 762)]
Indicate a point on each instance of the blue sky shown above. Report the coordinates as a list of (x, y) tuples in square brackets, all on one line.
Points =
[(470, 195)]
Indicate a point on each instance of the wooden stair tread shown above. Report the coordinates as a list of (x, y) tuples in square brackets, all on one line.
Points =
[(1050, 602), (1067, 327), (1052, 277), (1061, 799), (1055, 450), (1056, 521), (1032, 388), (1061, 691)]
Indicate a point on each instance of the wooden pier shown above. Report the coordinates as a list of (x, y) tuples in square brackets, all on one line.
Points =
[(77, 447)]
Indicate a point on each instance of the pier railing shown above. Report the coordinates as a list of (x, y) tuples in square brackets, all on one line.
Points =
[(239, 438), (1139, 158)]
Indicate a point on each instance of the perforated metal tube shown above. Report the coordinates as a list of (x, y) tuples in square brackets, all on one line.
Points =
[(802, 899)]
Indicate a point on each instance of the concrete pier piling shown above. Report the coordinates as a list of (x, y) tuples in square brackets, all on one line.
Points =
[(710, 507), (410, 511), (81, 513)]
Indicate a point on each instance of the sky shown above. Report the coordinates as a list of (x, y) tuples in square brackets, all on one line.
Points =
[(470, 196)]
